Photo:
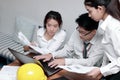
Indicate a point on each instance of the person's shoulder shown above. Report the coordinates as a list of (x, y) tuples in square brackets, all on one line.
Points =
[(41, 28), (61, 32), (114, 21), (40, 31), (115, 25), (75, 33), (97, 39)]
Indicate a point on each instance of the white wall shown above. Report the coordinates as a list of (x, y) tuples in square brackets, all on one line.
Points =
[(37, 9)]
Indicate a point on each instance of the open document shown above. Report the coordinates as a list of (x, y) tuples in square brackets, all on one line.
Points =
[(77, 68), (9, 73), (24, 40)]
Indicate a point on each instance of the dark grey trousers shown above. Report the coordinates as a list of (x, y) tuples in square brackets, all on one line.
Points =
[(112, 77)]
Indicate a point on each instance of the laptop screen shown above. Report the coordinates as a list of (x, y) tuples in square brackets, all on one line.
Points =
[(26, 59)]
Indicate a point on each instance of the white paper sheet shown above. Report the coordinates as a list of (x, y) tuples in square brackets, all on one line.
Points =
[(4, 76), (77, 68), (37, 49), (24, 39), (8, 73)]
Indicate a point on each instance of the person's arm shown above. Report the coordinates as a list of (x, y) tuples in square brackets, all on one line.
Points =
[(114, 66), (28, 48), (64, 52), (105, 60), (91, 61), (67, 50), (95, 54)]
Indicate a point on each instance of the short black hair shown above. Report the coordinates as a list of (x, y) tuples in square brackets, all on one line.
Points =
[(86, 22), (53, 15)]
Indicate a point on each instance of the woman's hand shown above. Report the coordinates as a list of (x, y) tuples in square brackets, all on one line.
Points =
[(45, 57), (26, 48), (34, 43), (95, 73)]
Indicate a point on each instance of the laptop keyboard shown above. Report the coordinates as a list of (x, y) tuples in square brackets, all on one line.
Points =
[(50, 71)]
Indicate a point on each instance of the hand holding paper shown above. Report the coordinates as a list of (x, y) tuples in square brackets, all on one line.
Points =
[(23, 39)]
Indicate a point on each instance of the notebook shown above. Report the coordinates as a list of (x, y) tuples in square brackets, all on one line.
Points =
[(26, 59)]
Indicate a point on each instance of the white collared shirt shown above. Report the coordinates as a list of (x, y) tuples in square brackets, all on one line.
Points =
[(73, 51), (111, 42), (53, 44)]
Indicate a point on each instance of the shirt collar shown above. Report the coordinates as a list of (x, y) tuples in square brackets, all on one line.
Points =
[(95, 38), (41, 34), (92, 41), (104, 24), (56, 36)]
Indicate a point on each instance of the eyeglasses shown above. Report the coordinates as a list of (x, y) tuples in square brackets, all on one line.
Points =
[(83, 34)]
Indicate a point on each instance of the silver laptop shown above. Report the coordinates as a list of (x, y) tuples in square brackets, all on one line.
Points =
[(26, 59)]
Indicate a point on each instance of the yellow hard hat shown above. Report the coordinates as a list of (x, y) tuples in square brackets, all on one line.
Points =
[(30, 71)]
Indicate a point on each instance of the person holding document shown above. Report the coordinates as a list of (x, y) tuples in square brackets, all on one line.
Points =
[(107, 11), (50, 37), (72, 53)]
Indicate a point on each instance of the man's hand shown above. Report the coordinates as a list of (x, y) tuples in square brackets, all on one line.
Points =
[(95, 73), (57, 62), (45, 57)]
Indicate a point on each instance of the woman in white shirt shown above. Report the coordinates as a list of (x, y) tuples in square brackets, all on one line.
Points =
[(109, 12), (51, 36)]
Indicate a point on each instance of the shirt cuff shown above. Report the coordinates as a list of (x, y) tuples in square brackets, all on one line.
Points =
[(105, 71), (53, 55), (68, 62), (109, 69)]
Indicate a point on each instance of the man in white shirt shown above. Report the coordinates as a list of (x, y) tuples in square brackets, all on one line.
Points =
[(72, 53)]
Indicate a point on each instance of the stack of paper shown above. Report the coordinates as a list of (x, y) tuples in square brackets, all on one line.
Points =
[(8, 73)]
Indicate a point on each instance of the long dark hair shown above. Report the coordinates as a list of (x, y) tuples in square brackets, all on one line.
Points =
[(53, 15), (112, 6)]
